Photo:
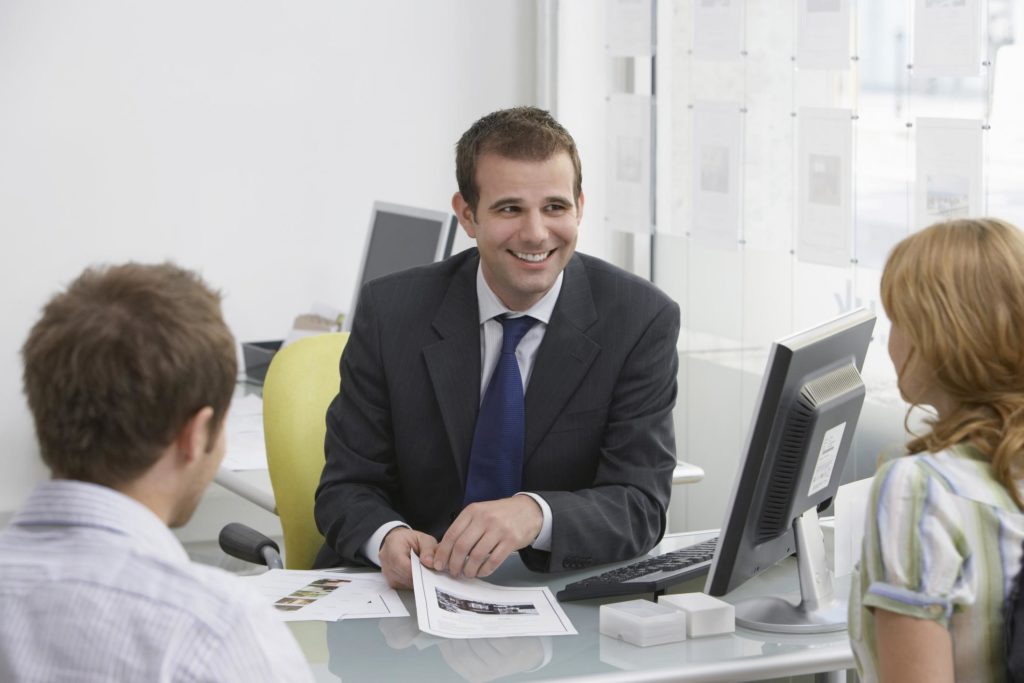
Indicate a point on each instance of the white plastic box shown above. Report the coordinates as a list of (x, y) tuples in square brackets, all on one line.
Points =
[(643, 623), (705, 615)]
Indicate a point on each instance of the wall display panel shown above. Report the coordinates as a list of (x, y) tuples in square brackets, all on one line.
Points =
[(629, 192), (823, 34), (630, 31), (825, 187), (948, 170), (716, 154), (718, 29), (947, 38)]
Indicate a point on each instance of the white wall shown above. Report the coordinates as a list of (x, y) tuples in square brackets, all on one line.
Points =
[(246, 139)]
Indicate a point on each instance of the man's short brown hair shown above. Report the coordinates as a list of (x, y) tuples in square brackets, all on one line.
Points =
[(118, 364), (523, 133)]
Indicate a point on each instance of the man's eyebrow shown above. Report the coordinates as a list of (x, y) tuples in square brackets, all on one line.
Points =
[(558, 199), (505, 201)]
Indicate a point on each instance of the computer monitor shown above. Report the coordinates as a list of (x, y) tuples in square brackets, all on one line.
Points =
[(806, 414), (402, 237)]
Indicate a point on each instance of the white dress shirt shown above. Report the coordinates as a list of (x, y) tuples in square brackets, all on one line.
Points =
[(95, 587), (491, 333)]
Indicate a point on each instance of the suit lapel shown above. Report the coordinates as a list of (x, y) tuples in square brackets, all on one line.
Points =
[(564, 357), (454, 362)]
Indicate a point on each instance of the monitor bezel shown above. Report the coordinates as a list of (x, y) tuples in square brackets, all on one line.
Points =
[(724, 575), (442, 249)]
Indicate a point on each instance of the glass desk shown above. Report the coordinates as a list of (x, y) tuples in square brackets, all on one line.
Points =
[(395, 650)]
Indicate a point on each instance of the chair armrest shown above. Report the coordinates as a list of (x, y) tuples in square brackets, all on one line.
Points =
[(686, 473), (245, 543)]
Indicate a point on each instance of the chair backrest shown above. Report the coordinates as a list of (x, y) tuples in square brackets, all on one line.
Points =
[(300, 384)]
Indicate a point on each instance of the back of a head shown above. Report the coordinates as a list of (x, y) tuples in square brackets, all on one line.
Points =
[(117, 364), (522, 133), (956, 289)]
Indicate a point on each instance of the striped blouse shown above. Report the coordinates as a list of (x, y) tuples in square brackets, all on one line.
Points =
[(942, 542)]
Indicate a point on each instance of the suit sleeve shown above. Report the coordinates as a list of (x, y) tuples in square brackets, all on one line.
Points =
[(356, 489), (623, 514)]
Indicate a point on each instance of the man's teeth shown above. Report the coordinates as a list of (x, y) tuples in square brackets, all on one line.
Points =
[(533, 258)]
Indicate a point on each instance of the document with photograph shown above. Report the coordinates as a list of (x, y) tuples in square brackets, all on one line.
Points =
[(327, 596), (471, 608)]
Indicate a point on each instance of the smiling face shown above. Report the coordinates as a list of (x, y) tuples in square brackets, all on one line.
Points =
[(525, 224)]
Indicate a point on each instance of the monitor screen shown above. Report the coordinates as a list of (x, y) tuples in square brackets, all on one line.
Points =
[(402, 237), (803, 425)]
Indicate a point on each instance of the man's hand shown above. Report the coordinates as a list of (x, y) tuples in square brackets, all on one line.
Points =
[(394, 554), (484, 534)]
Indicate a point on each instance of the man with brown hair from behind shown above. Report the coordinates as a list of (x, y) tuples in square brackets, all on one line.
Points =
[(128, 375)]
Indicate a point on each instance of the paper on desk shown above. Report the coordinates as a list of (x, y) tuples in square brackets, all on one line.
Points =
[(326, 595), (851, 507), (471, 608), (246, 449)]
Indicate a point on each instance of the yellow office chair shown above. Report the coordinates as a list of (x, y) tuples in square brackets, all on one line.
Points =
[(300, 384)]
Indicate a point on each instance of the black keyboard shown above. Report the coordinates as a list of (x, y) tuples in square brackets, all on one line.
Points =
[(646, 575)]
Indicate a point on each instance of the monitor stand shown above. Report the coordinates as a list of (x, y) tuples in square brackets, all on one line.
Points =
[(819, 610)]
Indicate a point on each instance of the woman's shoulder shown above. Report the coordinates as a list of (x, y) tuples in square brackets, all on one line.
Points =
[(960, 471)]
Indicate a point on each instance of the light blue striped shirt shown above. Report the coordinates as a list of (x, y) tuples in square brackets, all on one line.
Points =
[(942, 542), (95, 587)]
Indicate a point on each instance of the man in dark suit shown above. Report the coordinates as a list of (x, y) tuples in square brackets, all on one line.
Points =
[(411, 439)]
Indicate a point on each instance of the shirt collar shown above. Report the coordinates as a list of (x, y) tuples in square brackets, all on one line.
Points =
[(491, 306), (66, 502)]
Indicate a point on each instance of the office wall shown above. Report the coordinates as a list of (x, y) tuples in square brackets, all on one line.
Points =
[(246, 139)]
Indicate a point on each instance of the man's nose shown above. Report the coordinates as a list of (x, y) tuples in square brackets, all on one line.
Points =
[(533, 228)]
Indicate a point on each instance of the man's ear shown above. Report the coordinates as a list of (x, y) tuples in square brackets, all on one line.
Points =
[(464, 212), (579, 208), (194, 437)]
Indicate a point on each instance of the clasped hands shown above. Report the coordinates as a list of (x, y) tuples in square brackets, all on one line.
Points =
[(476, 543)]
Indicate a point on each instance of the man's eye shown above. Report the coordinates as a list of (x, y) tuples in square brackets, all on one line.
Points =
[(509, 209), (554, 208)]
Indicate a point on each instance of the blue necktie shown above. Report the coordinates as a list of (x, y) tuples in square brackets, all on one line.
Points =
[(496, 459)]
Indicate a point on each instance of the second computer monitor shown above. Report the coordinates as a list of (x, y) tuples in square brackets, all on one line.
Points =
[(810, 400), (402, 237)]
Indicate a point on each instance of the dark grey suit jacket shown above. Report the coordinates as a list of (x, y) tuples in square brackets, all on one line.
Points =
[(599, 445)]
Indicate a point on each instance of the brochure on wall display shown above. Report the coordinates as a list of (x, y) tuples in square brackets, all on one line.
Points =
[(825, 186), (629, 194), (471, 608), (947, 38), (823, 34), (326, 595), (717, 136), (244, 427), (630, 28), (717, 29), (948, 174)]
